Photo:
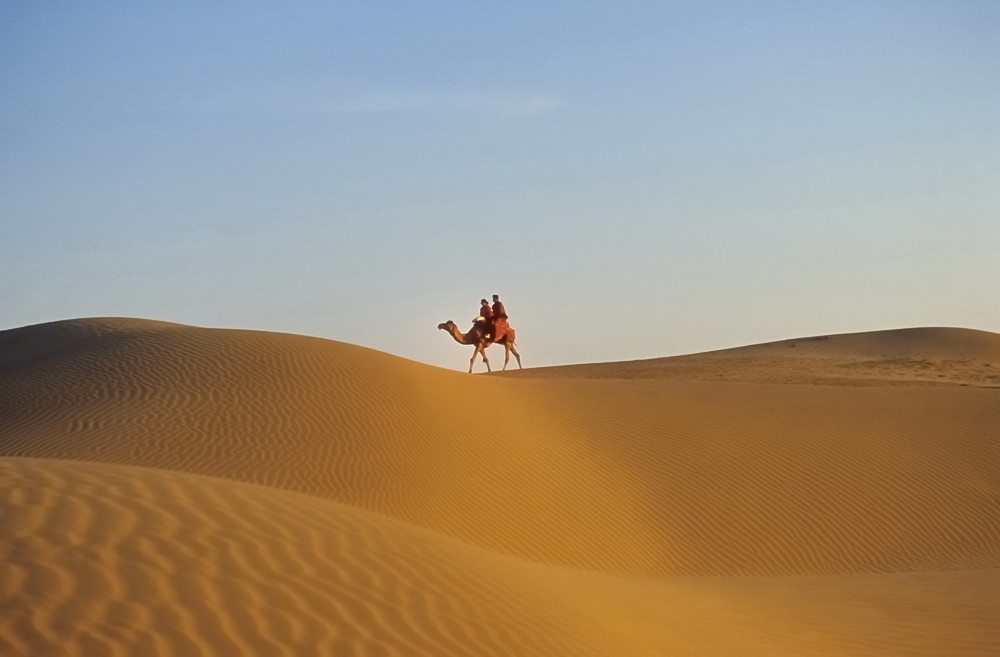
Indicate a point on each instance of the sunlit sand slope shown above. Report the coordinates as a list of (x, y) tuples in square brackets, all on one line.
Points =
[(915, 356), (101, 558), (652, 476), (112, 560)]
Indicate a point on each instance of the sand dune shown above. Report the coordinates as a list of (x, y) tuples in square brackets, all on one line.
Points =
[(628, 508), (103, 559), (915, 356), (653, 477)]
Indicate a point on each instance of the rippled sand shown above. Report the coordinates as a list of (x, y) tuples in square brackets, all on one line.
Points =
[(176, 490)]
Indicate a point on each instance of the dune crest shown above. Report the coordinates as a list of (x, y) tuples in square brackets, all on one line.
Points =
[(174, 490), (651, 477), (899, 357)]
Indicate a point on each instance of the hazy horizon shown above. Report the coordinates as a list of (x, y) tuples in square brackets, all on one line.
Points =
[(634, 181)]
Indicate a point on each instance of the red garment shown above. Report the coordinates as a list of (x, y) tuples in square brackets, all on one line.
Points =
[(500, 328), (498, 310), (486, 313)]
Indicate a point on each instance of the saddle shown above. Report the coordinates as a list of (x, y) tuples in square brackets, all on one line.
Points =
[(481, 326)]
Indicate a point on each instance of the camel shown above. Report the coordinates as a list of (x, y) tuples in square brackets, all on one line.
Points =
[(474, 337)]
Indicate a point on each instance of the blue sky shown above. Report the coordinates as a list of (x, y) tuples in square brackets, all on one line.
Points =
[(634, 179)]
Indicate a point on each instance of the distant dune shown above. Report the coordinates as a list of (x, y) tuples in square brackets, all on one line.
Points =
[(698, 504), (914, 356)]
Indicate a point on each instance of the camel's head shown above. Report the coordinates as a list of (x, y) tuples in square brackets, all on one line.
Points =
[(447, 325)]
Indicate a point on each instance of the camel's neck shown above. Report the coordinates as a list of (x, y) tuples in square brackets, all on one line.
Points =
[(460, 338)]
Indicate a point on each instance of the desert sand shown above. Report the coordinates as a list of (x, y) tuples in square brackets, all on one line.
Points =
[(174, 490)]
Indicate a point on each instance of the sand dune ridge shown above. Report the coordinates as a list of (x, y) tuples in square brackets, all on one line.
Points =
[(626, 476), (937, 356), (174, 490)]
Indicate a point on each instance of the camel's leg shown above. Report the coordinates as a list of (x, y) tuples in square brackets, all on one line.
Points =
[(479, 350), (516, 355), (506, 355)]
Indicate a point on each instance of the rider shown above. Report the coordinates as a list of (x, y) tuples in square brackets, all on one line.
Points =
[(484, 323), (498, 310), (499, 318)]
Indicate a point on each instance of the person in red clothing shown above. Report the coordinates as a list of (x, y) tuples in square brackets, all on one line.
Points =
[(484, 323), (499, 319), (498, 309)]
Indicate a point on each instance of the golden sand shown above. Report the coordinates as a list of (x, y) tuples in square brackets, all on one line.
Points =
[(838, 497), (901, 357)]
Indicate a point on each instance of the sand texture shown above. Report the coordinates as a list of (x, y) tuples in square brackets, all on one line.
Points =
[(901, 357), (175, 490)]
